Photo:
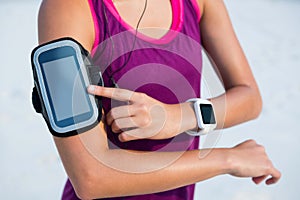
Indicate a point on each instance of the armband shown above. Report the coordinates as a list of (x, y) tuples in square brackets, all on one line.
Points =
[(62, 71)]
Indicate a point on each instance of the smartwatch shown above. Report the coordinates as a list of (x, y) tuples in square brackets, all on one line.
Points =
[(206, 120)]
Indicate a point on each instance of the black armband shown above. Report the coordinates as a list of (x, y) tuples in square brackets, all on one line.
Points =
[(62, 71)]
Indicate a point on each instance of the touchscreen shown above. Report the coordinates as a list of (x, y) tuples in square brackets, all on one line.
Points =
[(68, 94), (207, 114)]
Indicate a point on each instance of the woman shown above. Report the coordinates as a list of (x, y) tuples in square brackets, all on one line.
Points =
[(94, 161)]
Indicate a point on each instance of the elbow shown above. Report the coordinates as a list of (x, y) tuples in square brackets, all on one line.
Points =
[(257, 105), (85, 185)]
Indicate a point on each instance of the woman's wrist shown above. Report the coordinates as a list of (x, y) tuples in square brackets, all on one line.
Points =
[(220, 157), (181, 118), (189, 120), (227, 164), (225, 160)]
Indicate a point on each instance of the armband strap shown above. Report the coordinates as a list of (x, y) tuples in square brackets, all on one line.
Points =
[(95, 78)]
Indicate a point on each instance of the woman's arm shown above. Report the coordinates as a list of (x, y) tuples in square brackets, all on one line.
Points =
[(97, 172), (67, 18), (242, 97)]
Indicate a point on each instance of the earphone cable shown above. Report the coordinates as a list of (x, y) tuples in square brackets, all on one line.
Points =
[(133, 46)]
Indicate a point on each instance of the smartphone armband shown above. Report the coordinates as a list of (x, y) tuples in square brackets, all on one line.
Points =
[(62, 71)]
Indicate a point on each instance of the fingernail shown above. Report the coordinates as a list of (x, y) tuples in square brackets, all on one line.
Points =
[(121, 138), (91, 89)]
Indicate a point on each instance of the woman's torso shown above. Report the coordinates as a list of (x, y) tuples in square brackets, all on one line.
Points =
[(166, 66)]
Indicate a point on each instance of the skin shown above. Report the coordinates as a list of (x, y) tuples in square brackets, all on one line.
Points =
[(86, 156)]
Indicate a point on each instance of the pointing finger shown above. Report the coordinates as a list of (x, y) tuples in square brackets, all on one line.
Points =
[(112, 93)]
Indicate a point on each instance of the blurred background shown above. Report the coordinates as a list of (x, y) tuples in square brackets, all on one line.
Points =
[(269, 32)]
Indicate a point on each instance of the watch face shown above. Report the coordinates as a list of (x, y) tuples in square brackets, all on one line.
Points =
[(207, 113)]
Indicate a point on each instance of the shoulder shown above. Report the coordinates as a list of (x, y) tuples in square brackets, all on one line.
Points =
[(205, 4), (67, 18), (200, 5)]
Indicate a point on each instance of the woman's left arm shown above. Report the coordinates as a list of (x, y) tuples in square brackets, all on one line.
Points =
[(242, 97), (145, 117)]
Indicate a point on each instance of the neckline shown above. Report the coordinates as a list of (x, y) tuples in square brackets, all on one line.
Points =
[(176, 25)]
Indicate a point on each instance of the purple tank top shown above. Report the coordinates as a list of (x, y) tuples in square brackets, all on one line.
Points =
[(167, 69)]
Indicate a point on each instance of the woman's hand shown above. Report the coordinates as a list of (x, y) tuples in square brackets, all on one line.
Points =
[(249, 159), (144, 117)]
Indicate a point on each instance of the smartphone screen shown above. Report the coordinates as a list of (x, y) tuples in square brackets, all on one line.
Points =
[(65, 87)]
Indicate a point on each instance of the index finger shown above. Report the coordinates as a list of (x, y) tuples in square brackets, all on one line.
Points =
[(275, 176), (112, 93)]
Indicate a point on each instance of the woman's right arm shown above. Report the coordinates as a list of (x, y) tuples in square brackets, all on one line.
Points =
[(93, 168), (97, 172)]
